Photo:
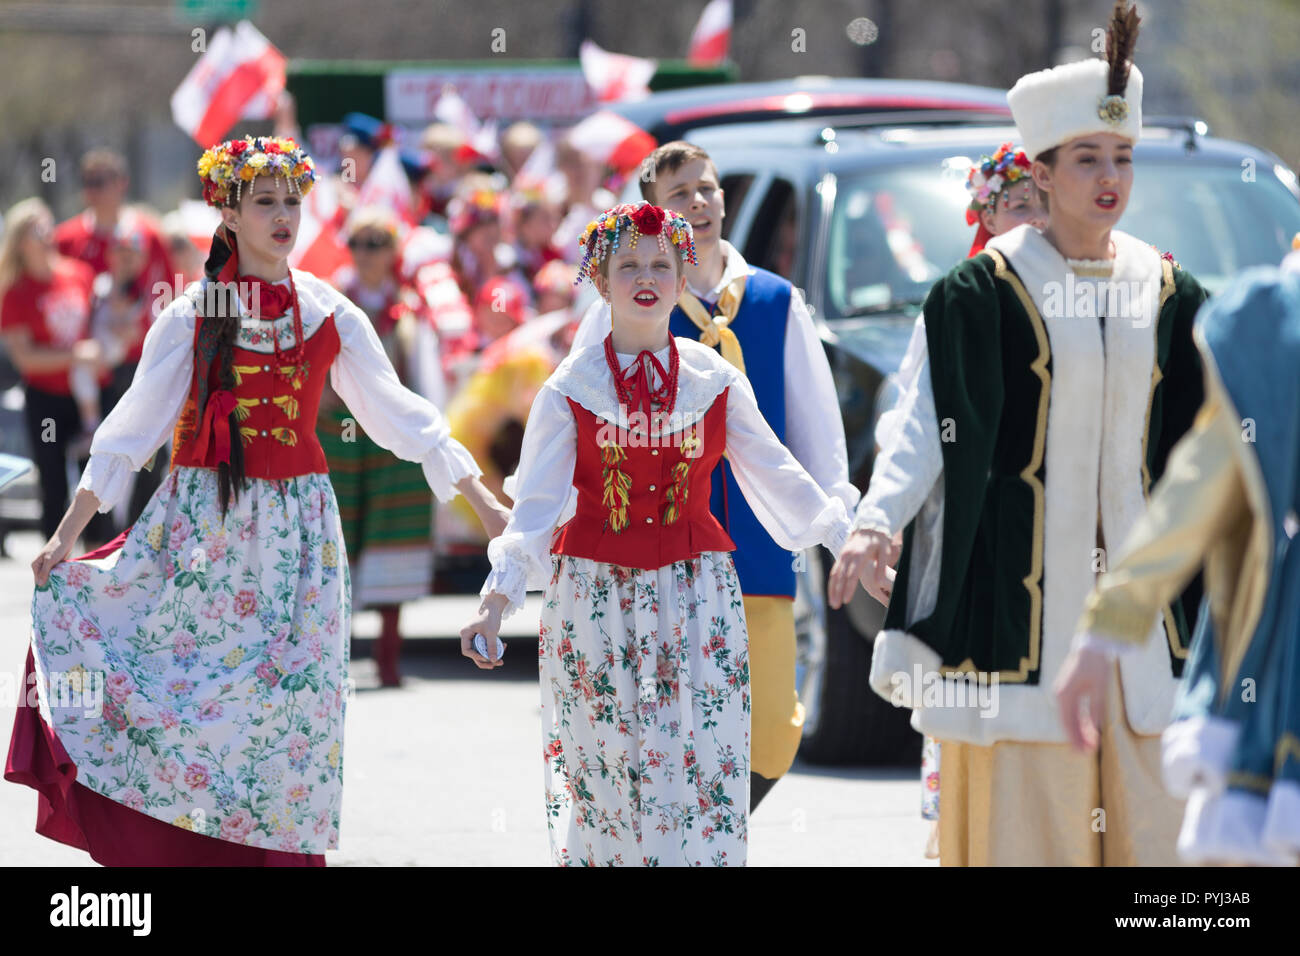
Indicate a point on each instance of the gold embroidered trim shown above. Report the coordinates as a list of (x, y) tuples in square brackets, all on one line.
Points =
[(1032, 581), (288, 404), (617, 484), (243, 408), (242, 370), (678, 485)]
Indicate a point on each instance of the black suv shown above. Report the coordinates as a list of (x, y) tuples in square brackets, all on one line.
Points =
[(863, 214)]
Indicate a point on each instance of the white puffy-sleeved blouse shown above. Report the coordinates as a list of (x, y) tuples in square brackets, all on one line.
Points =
[(396, 418), (791, 506)]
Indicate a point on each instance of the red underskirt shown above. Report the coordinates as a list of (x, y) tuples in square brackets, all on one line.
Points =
[(113, 834)]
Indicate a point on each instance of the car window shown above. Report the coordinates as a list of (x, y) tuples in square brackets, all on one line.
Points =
[(1214, 223), (735, 186), (893, 232), (774, 234)]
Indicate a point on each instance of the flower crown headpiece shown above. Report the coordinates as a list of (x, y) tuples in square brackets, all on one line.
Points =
[(227, 166), (601, 237), (993, 173)]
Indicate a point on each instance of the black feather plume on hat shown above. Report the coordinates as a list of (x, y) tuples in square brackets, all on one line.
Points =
[(1121, 38)]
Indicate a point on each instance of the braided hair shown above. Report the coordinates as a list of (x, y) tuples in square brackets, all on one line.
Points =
[(218, 316)]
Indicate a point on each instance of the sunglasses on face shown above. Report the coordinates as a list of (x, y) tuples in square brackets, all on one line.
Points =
[(370, 245), (97, 182)]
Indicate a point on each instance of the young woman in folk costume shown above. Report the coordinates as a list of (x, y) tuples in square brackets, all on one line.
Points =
[(644, 652), (384, 502), (1003, 196), (219, 636), (1047, 403)]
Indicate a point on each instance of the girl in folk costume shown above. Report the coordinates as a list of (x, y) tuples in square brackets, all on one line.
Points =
[(1059, 400), (219, 636), (1003, 196), (759, 323), (384, 502), (644, 652)]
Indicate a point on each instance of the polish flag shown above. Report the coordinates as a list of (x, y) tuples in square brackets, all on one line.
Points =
[(614, 76), (320, 248), (480, 137), (239, 77), (612, 140), (712, 36)]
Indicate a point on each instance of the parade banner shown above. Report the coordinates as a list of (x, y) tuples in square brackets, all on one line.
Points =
[(556, 94)]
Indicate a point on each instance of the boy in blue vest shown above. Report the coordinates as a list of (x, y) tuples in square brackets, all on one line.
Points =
[(760, 323)]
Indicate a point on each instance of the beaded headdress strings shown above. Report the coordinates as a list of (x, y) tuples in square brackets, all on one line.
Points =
[(631, 221)]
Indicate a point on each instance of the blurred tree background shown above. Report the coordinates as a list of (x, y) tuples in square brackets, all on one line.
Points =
[(93, 72)]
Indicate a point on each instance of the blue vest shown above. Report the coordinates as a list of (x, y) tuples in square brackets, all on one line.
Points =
[(764, 567)]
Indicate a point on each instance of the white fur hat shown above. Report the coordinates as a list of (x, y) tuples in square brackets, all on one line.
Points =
[(1053, 106)]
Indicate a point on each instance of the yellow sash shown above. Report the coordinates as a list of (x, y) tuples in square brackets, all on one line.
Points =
[(714, 331)]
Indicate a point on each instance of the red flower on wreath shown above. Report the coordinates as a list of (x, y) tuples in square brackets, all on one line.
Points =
[(1023, 161), (238, 145), (649, 220)]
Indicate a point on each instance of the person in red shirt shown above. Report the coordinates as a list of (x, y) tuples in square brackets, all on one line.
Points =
[(121, 312), (44, 325), (86, 236)]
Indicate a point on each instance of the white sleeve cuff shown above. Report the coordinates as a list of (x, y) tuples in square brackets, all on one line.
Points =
[(446, 466), (871, 517), (832, 526), (509, 574), (108, 475), (1093, 641)]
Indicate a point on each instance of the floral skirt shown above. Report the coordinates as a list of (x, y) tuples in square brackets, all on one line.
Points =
[(645, 713), (200, 680)]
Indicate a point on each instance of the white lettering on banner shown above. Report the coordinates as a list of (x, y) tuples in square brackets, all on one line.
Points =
[(560, 94)]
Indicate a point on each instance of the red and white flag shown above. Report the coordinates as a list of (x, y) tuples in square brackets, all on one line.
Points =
[(615, 76), (320, 248), (239, 77), (712, 36), (480, 138), (612, 140)]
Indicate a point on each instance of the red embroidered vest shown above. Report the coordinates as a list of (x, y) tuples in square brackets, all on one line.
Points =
[(277, 422), (645, 506)]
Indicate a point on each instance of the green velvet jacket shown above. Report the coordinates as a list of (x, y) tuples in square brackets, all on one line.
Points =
[(991, 367)]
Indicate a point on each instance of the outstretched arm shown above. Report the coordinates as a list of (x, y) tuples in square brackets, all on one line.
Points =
[(789, 504), (398, 419)]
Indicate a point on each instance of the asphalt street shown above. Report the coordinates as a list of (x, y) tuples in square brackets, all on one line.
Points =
[(446, 770)]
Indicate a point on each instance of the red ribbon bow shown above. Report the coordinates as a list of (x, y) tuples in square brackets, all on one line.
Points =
[(266, 300), (213, 439), (642, 396)]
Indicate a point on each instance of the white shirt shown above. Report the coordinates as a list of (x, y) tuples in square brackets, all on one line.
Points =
[(911, 456), (396, 418), (787, 501), (814, 428)]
